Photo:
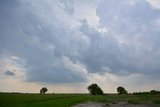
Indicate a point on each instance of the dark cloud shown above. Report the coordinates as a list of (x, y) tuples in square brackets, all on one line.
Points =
[(103, 52), (43, 45), (134, 28), (34, 31), (9, 73), (54, 74), (125, 17)]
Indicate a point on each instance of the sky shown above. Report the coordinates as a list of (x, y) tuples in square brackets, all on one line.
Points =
[(66, 45)]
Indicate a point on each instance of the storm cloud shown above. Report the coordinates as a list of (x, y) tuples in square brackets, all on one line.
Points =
[(9, 73), (58, 46), (135, 29)]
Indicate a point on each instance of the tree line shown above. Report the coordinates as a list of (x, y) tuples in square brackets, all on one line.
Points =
[(94, 89)]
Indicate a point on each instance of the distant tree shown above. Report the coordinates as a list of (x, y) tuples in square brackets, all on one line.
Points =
[(147, 93), (154, 92), (43, 90), (141, 93), (121, 90), (94, 89)]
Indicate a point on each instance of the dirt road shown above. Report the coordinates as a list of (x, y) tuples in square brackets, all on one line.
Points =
[(120, 104), (90, 104)]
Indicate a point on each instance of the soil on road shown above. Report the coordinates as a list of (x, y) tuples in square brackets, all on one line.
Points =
[(120, 104)]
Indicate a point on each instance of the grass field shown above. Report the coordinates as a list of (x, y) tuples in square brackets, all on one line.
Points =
[(67, 100)]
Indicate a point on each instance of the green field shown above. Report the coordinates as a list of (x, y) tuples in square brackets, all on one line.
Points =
[(67, 100)]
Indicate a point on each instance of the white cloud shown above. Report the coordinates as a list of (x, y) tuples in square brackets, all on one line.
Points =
[(154, 3), (86, 10)]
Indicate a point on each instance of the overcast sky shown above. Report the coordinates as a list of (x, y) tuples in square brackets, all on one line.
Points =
[(66, 45)]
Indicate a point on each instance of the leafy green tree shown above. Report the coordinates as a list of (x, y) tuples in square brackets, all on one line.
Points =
[(94, 89), (121, 90), (43, 90)]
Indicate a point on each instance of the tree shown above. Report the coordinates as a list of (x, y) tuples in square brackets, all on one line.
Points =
[(121, 90), (154, 92), (43, 90), (94, 89)]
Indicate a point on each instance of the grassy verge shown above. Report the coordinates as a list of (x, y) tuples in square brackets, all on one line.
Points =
[(67, 100)]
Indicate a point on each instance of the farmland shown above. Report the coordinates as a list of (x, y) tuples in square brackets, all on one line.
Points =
[(67, 100)]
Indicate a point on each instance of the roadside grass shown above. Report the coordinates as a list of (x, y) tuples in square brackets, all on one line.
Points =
[(67, 100)]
